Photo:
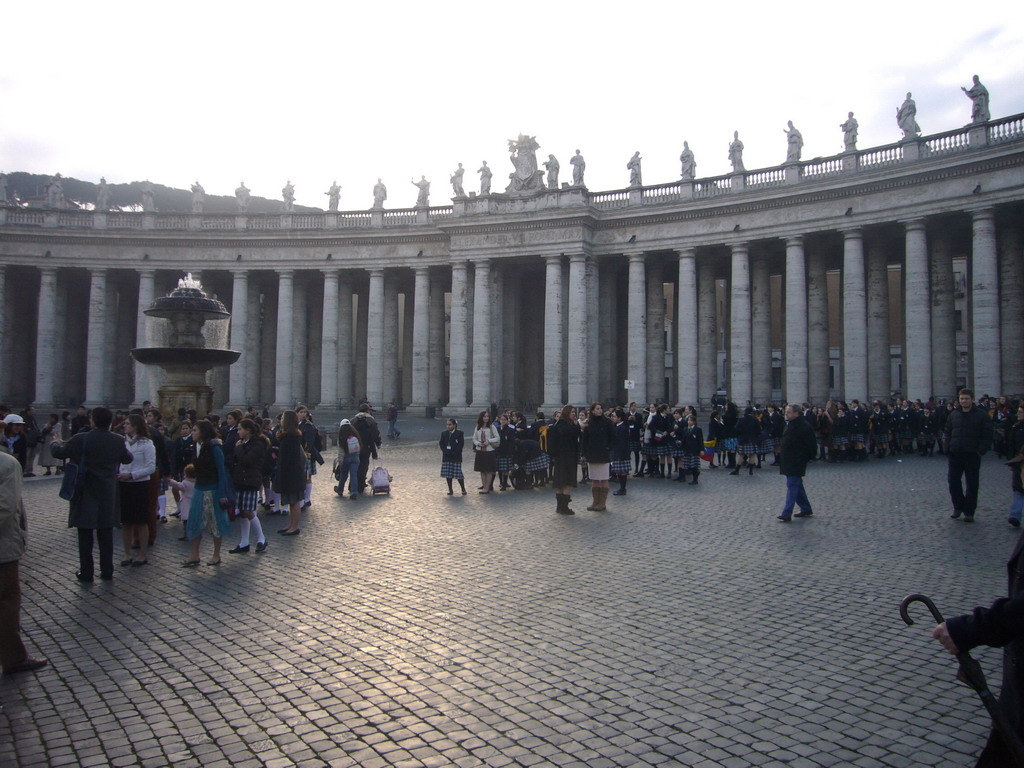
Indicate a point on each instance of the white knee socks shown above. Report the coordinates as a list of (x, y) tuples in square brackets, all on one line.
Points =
[(309, 492), (243, 530), (161, 505), (257, 526)]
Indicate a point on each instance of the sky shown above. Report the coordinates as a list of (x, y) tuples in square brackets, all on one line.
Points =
[(312, 92)]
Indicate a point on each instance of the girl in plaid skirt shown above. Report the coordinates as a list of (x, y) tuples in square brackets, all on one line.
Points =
[(247, 474), (451, 444)]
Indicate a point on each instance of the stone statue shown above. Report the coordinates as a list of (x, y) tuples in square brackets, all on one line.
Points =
[(687, 165), (978, 94), (635, 179), (198, 197), (422, 199), (3, 189), (288, 194), (526, 177), (242, 197), (794, 142), (552, 167), (380, 194), (456, 180), (485, 178), (148, 203), (333, 196), (579, 165), (103, 195), (906, 118), (55, 193), (736, 153), (850, 133)]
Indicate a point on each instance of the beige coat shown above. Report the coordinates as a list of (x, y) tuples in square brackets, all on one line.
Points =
[(12, 510)]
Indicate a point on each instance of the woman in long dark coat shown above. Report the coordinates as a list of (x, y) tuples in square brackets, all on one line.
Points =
[(596, 443), (564, 449), (291, 470)]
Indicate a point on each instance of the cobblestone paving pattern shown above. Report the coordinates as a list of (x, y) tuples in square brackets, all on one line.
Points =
[(685, 626)]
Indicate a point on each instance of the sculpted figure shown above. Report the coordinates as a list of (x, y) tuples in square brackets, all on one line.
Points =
[(103, 195), (422, 199), (794, 143), (3, 188), (736, 153), (288, 193), (485, 179), (906, 118), (198, 197), (380, 194), (978, 94), (579, 165), (242, 197), (148, 204), (523, 155), (333, 196), (850, 133), (55, 193), (687, 164), (635, 179), (552, 167), (456, 180)]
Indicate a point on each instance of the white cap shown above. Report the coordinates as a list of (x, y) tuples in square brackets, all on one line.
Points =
[(345, 423), (13, 418)]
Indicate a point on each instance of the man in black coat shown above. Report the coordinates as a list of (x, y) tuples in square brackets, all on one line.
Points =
[(369, 441), (969, 433), (799, 446)]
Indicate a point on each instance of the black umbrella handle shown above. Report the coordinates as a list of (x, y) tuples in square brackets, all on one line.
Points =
[(919, 598)]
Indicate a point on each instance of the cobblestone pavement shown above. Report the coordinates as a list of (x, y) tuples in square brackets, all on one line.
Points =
[(685, 626)]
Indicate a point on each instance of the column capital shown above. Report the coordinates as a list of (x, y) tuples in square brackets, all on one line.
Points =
[(146, 272), (376, 271), (102, 271), (737, 248), (237, 273), (551, 257), (329, 273), (794, 241), (48, 269), (459, 265), (421, 271), (983, 214), (577, 257), (635, 257), (853, 233), (285, 274), (914, 224), (686, 253)]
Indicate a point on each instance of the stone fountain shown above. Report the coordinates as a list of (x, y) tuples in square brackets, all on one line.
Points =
[(185, 356)]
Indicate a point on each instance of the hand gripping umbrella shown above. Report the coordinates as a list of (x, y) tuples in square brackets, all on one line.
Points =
[(970, 673)]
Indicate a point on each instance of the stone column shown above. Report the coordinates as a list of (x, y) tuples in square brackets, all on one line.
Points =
[(760, 331), (855, 318), (1011, 311), (95, 357), (817, 330), (636, 330), (986, 365), (655, 334), (237, 374), (594, 312), (943, 317), (435, 343), (554, 385), (420, 338), (687, 376), (577, 329), (510, 332), (329, 342), (46, 325), (345, 393), (283, 362), (494, 297), (482, 393), (458, 362), (147, 291), (706, 334), (375, 339), (795, 350), (608, 384), (254, 347), (879, 376), (5, 346), (740, 343), (392, 386), (917, 346)]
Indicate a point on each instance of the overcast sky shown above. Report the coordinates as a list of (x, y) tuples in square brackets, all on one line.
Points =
[(316, 91)]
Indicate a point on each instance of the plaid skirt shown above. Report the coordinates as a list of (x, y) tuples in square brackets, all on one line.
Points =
[(658, 449), (749, 449), (452, 470), (622, 467), (504, 463), (677, 451), (906, 434), (730, 443), (633, 445), (247, 499), (691, 462), (840, 442), (536, 465), (770, 442), (856, 437)]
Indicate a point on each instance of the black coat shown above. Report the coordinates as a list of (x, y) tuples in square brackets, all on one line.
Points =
[(749, 429), (250, 459), (451, 445), (564, 440), (311, 440), (692, 440), (369, 433), (291, 465), (799, 446), (597, 440), (97, 507), (620, 450), (969, 431)]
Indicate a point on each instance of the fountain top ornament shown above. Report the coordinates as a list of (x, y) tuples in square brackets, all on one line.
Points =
[(188, 297)]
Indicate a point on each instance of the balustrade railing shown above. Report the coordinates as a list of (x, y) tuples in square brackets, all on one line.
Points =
[(172, 222), (217, 222), (768, 177), (948, 143), (74, 219), (442, 213), (32, 218), (311, 221), (719, 185), (662, 193), (264, 222), (1007, 129), (122, 220), (881, 156), (823, 167), (355, 220), (400, 217), (616, 199)]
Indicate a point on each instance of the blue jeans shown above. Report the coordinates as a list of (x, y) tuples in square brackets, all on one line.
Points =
[(1017, 505), (392, 428), (795, 495), (349, 468)]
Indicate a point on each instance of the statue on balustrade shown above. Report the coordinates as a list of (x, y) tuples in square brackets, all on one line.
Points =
[(794, 143), (380, 194), (198, 197), (148, 202), (485, 178), (3, 189), (579, 165), (526, 177), (288, 193), (103, 195), (456, 180), (422, 199), (687, 163), (978, 94), (55, 193), (736, 153), (906, 118), (333, 196), (635, 178), (850, 133), (552, 166), (242, 197)]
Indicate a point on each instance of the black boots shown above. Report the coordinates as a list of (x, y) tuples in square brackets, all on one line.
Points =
[(696, 474), (563, 504)]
